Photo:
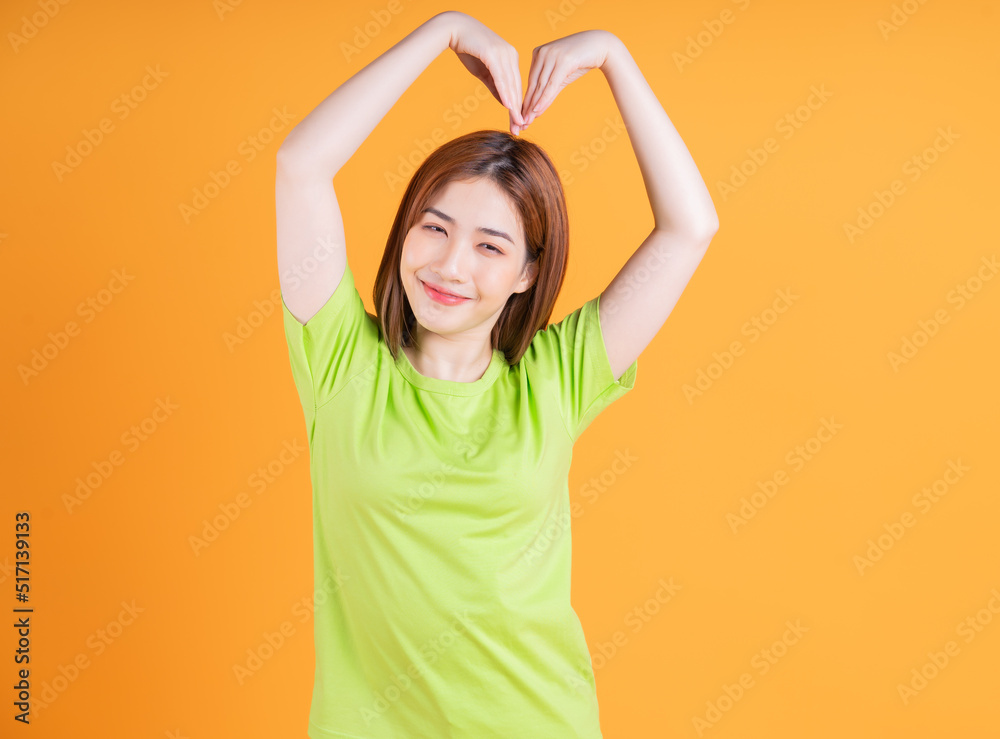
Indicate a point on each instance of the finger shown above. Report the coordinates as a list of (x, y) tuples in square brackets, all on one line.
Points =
[(485, 73), (482, 73), (546, 97), (545, 78), (518, 90), (541, 84), (529, 95), (488, 81), (512, 84), (501, 79)]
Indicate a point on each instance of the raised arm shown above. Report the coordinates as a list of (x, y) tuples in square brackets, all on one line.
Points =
[(312, 254), (638, 300), (632, 311)]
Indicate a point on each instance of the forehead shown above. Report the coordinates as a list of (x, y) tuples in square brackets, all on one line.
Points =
[(474, 203)]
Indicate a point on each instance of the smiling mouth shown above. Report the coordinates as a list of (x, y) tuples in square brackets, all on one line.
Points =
[(435, 292)]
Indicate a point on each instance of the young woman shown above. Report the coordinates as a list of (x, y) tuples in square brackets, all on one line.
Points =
[(441, 430)]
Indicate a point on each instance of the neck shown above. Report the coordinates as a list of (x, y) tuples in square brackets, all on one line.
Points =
[(449, 359)]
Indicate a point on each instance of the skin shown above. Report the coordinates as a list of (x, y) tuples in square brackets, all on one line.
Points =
[(453, 341), (640, 297)]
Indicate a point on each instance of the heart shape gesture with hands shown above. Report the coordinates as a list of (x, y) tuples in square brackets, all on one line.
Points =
[(553, 66)]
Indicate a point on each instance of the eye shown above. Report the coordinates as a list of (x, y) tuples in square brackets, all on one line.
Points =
[(441, 230)]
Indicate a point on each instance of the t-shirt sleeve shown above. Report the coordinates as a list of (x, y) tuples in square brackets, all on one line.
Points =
[(333, 347), (572, 353)]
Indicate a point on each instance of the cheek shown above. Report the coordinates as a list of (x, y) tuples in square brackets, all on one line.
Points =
[(496, 281), (419, 247), (410, 258)]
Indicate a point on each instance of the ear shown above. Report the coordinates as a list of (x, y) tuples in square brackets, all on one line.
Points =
[(529, 276)]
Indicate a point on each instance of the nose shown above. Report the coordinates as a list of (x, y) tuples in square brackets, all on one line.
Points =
[(449, 262)]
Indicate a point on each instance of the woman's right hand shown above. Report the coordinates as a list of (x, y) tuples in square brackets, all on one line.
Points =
[(490, 59)]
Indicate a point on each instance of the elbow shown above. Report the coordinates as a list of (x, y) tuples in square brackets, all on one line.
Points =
[(695, 231), (295, 149), (700, 236), (710, 225), (706, 232), (292, 161), (286, 154)]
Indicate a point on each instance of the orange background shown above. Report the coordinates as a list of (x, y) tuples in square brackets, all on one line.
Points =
[(197, 279)]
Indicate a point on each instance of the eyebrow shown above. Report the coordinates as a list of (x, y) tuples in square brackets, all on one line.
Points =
[(483, 229)]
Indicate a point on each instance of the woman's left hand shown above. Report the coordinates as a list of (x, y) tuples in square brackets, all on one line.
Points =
[(557, 63)]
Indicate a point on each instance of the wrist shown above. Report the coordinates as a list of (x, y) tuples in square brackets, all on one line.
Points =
[(616, 53), (445, 24)]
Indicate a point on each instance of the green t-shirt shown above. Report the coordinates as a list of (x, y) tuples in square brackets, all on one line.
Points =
[(441, 531)]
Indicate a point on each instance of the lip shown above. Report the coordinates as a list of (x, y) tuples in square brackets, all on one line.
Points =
[(442, 297)]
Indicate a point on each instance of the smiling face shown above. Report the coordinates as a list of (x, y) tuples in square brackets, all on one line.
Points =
[(470, 243)]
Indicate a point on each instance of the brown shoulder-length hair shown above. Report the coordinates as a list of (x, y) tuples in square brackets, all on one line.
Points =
[(522, 170)]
